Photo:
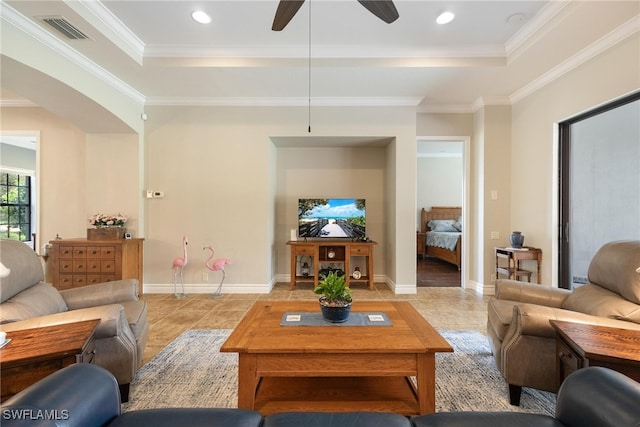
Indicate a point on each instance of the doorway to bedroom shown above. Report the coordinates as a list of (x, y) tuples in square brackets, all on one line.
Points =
[(440, 183)]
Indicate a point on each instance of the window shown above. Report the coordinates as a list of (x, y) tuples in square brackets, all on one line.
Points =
[(15, 207)]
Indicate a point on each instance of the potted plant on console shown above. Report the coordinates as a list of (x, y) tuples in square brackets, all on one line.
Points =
[(336, 300)]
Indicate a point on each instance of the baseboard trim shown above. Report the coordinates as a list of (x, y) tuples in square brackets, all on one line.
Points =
[(207, 288), (482, 289)]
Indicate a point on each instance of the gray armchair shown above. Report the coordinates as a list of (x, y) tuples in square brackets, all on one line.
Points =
[(522, 339), (27, 302)]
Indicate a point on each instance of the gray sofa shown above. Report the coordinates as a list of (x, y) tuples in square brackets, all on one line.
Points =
[(85, 395), (27, 302), (523, 341)]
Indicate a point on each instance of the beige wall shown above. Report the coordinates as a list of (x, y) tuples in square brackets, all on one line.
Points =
[(314, 172), (496, 178), (112, 164), (217, 166), (513, 151), (533, 153), (62, 176)]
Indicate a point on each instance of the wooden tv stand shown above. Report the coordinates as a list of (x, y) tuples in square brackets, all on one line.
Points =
[(331, 252)]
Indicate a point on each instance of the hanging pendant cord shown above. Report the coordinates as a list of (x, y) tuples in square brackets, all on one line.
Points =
[(309, 67)]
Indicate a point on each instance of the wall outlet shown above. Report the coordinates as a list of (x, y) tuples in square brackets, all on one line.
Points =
[(495, 235), (205, 276)]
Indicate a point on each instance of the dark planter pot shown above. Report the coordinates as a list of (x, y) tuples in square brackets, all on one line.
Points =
[(335, 314), (516, 239)]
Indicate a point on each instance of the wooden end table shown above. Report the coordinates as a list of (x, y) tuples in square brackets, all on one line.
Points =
[(580, 345), (336, 368), (513, 257), (35, 353)]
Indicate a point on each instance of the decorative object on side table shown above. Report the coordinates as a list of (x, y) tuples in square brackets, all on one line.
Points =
[(106, 227), (336, 300), (305, 269), (516, 239)]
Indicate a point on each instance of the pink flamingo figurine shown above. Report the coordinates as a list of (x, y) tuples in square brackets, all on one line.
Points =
[(216, 265), (178, 266)]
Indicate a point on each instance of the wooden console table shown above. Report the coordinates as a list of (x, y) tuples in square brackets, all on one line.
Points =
[(580, 345), (511, 267), (338, 252), (35, 353)]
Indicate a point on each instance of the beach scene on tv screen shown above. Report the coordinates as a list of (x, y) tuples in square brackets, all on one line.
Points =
[(331, 218)]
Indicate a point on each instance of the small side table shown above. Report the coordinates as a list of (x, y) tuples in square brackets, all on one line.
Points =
[(512, 257), (580, 345), (35, 353)]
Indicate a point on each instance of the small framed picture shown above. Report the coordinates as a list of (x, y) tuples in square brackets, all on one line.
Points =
[(127, 235)]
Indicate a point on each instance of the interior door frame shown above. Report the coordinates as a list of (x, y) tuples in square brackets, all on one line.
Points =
[(466, 182)]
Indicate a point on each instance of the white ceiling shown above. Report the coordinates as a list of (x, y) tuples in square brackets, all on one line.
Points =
[(493, 52)]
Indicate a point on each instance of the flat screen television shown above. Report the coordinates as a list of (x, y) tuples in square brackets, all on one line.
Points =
[(331, 218)]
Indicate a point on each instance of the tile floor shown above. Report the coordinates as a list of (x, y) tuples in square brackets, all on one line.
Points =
[(444, 308)]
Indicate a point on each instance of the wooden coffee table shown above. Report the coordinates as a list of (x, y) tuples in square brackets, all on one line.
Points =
[(580, 345), (35, 353), (336, 368)]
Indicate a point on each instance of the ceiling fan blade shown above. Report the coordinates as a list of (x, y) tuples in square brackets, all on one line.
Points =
[(383, 9), (285, 12)]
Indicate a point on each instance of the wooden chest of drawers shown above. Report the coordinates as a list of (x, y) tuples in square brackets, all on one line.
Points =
[(82, 262)]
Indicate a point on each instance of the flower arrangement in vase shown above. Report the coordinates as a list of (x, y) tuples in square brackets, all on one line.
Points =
[(101, 220), (106, 227)]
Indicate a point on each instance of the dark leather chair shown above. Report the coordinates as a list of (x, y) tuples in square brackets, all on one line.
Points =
[(597, 397)]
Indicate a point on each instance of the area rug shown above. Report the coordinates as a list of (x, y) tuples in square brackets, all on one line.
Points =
[(191, 372)]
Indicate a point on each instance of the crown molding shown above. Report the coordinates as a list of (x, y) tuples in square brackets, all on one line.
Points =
[(16, 102), (626, 30), (110, 26), (9, 15), (445, 109), (515, 45), (284, 102), (322, 52)]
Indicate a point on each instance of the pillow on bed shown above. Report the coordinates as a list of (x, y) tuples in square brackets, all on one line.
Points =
[(442, 225), (458, 224)]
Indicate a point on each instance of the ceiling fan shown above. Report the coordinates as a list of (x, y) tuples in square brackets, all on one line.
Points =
[(383, 9)]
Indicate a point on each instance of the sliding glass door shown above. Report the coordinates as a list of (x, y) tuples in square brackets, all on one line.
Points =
[(599, 184)]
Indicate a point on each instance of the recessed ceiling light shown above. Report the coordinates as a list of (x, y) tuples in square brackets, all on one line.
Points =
[(201, 17), (445, 18)]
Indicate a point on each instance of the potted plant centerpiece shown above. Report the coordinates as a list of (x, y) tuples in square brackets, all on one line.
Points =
[(335, 301)]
